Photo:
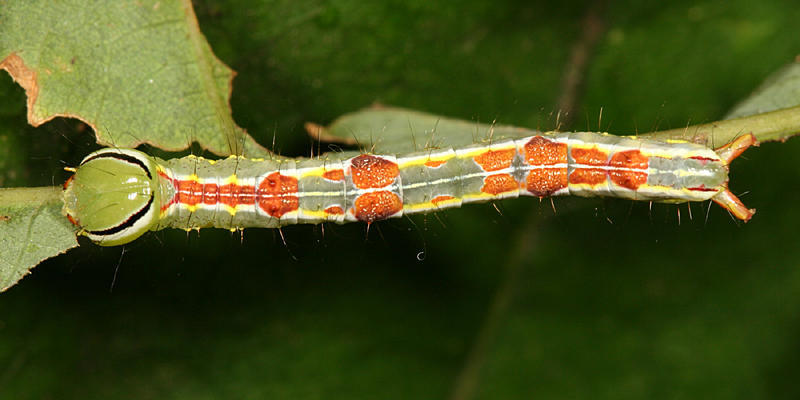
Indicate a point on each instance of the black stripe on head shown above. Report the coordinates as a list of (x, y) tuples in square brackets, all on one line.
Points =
[(128, 222), (122, 157)]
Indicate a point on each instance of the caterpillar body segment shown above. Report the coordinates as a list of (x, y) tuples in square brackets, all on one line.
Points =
[(118, 194)]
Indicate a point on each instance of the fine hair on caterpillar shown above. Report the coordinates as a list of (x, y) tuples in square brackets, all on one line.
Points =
[(116, 195)]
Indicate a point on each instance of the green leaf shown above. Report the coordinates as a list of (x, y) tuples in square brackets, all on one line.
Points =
[(32, 229), (135, 71), (779, 90)]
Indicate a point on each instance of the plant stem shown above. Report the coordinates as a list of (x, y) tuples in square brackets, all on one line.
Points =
[(33, 197), (770, 126)]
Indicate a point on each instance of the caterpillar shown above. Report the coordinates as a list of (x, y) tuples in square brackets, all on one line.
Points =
[(116, 195)]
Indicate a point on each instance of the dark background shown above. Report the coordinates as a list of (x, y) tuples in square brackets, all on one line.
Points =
[(603, 299)]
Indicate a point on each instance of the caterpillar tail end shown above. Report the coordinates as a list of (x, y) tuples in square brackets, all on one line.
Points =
[(733, 149), (730, 202), (726, 198)]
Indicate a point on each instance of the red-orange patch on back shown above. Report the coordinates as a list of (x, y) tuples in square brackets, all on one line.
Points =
[(333, 175), (277, 194), (499, 183), (541, 151), (591, 156), (370, 171), (628, 179), (494, 160), (378, 205), (334, 210), (434, 164), (210, 193), (546, 181), (589, 176), (232, 195), (441, 198), (629, 159), (188, 192)]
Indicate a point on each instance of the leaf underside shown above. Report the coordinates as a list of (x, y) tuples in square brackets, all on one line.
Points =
[(32, 229)]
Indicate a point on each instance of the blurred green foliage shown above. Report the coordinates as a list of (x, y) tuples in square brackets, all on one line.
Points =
[(605, 299)]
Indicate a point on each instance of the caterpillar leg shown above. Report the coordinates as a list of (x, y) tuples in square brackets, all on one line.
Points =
[(726, 198)]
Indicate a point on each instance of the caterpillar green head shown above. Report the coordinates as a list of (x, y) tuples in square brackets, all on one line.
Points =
[(114, 196)]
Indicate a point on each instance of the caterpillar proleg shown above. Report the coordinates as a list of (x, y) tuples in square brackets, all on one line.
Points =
[(116, 195)]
